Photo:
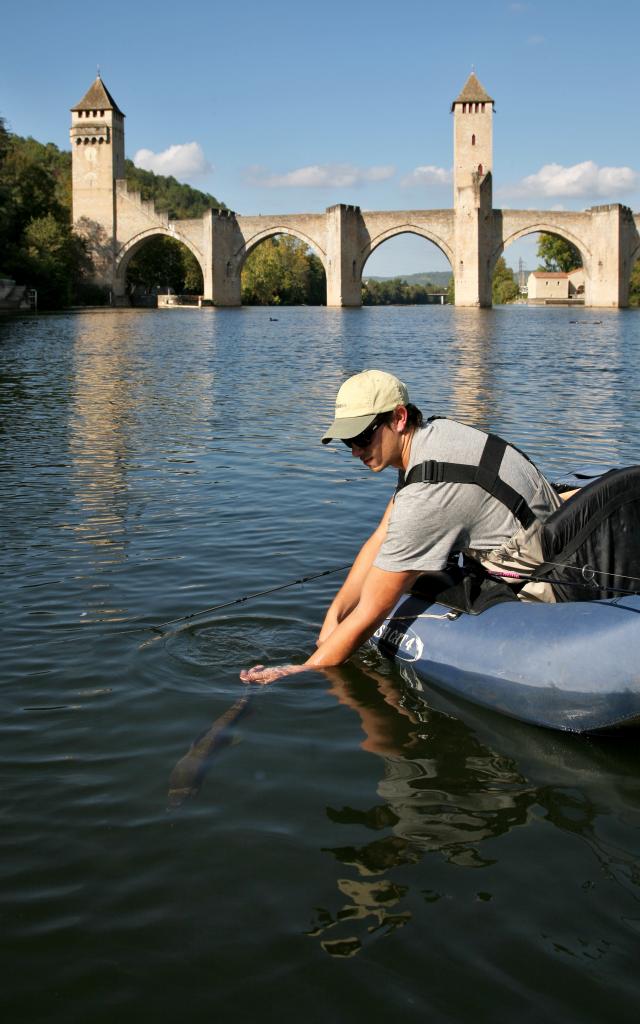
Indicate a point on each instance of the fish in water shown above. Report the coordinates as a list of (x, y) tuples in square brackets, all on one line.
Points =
[(188, 775)]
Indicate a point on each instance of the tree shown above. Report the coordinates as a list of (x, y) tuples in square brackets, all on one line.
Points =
[(52, 260), (634, 288), (504, 287), (165, 263), (395, 291), (557, 253), (282, 271)]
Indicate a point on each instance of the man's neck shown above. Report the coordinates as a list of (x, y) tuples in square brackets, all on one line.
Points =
[(405, 451)]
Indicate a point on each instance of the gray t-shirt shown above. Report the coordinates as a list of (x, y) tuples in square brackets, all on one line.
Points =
[(429, 521)]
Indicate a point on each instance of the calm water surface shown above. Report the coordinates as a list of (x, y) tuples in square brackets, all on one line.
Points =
[(345, 859)]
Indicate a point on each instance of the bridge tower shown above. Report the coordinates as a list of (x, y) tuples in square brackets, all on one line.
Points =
[(97, 161), (472, 193)]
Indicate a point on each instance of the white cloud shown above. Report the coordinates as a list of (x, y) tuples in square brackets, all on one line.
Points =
[(182, 161), (536, 40), (583, 180), (427, 175), (320, 176)]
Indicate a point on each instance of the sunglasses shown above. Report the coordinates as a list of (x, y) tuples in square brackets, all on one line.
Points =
[(364, 439)]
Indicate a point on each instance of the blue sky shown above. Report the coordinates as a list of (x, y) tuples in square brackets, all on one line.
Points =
[(285, 107)]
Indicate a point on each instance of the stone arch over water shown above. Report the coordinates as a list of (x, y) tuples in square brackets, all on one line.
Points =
[(403, 229), (547, 228), (240, 256), (135, 245)]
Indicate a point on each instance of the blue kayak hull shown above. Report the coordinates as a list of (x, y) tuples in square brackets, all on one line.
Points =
[(572, 666)]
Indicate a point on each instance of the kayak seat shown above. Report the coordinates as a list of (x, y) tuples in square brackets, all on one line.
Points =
[(591, 545)]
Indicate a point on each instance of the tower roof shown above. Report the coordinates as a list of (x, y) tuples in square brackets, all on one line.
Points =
[(98, 97), (473, 92)]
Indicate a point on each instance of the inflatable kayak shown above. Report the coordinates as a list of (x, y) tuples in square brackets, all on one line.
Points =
[(573, 665)]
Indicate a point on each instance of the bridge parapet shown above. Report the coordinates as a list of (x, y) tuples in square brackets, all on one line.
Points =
[(147, 207)]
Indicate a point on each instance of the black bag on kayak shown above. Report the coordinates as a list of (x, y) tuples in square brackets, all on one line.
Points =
[(591, 545), (469, 589)]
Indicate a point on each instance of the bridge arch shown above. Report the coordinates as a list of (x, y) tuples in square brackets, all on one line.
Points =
[(126, 253), (544, 227), (404, 229), (241, 254)]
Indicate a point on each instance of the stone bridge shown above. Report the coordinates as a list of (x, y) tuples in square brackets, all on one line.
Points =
[(472, 235), (607, 237)]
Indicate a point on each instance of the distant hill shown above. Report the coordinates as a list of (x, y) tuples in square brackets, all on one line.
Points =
[(436, 277)]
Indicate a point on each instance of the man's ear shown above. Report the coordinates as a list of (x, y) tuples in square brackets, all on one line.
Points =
[(400, 417)]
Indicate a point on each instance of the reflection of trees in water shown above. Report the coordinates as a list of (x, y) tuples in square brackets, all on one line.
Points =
[(444, 791)]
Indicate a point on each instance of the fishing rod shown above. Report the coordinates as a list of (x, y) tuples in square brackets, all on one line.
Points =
[(159, 627)]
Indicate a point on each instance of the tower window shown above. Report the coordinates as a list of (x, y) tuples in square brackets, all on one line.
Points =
[(473, 140), (479, 168)]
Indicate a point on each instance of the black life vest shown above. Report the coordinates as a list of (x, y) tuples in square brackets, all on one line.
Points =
[(485, 474)]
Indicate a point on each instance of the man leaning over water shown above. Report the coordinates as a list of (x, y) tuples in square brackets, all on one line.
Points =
[(427, 519)]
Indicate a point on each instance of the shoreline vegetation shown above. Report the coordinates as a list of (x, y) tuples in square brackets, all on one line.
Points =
[(39, 249)]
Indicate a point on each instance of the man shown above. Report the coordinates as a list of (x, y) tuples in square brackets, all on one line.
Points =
[(439, 508)]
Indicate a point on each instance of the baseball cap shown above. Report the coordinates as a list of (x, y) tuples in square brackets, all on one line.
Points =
[(361, 398)]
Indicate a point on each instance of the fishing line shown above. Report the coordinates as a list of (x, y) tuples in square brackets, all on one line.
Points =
[(587, 572), (588, 569)]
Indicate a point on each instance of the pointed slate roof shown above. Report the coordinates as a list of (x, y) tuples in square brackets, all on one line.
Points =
[(98, 97), (473, 92)]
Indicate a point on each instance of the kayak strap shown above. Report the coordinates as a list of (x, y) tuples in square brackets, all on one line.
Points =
[(486, 475)]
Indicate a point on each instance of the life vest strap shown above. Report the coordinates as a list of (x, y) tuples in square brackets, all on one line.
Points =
[(486, 475)]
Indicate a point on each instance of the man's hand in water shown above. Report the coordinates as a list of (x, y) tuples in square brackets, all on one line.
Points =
[(262, 675)]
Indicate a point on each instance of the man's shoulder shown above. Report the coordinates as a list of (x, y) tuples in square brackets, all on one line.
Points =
[(441, 438)]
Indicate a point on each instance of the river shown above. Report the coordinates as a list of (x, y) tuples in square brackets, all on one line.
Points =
[(342, 860)]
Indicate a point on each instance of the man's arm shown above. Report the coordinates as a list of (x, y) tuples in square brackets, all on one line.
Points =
[(380, 591), (349, 594)]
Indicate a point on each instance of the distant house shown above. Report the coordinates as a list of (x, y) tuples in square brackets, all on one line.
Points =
[(556, 286)]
